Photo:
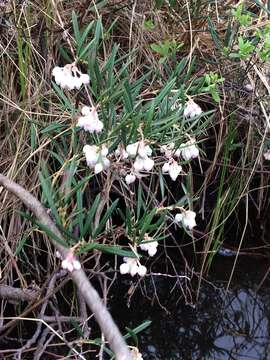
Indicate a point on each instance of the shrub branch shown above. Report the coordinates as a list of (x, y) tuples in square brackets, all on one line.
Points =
[(102, 315)]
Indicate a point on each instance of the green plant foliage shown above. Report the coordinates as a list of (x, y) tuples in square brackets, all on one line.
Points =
[(166, 49), (244, 18)]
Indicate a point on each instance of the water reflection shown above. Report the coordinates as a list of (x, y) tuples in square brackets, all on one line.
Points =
[(238, 329), (235, 328)]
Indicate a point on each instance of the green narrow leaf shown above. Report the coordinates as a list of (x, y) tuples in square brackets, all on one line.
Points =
[(47, 191), (139, 204), (99, 30), (133, 335), (84, 35), (214, 34), (105, 218), (80, 216), (139, 328), (116, 250), (127, 97), (229, 35), (77, 327), (53, 127), (33, 132), (86, 49), (75, 26), (21, 244), (145, 223), (90, 217), (63, 97)]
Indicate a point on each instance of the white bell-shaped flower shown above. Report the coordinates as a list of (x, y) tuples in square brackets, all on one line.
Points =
[(132, 266), (104, 151), (133, 269), (148, 164), (90, 121), (172, 168), (139, 148), (178, 218), (70, 263), (138, 164), (187, 218), (130, 178), (96, 158), (248, 87), (166, 167), (132, 149), (76, 265), (91, 154), (85, 79), (98, 168), (266, 155), (145, 164), (144, 150), (192, 109), (135, 354), (150, 247), (141, 270), (102, 164), (189, 150), (67, 265), (86, 110), (175, 170), (69, 77), (124, 268)]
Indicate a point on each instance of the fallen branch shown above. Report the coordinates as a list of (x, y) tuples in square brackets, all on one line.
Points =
[(17, 294), (103, 317)]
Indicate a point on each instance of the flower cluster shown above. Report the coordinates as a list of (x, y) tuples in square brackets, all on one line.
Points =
[(132, 266), (187, 218), (69, 77), (169, 150), (150, 247), (70, 263), (96, 158), (141, 153), (121, 152), (189, 150), (89, 120), (192, 109), (172, 168)]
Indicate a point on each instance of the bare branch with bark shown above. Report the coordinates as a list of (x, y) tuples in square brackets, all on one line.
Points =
[(93, 300)]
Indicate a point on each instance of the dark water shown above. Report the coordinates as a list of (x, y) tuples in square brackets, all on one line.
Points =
[(223, 325)]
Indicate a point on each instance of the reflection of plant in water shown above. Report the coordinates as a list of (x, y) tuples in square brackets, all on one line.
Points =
[(220, 327)]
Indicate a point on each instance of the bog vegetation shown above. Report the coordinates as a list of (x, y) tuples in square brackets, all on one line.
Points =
[(143, 128)]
